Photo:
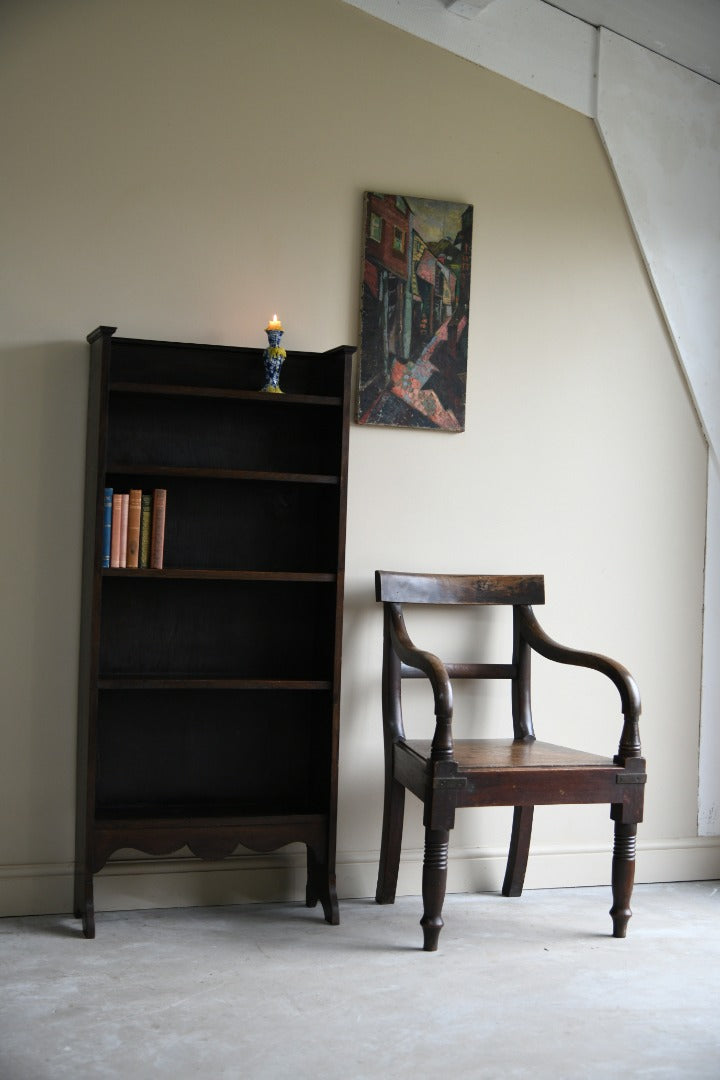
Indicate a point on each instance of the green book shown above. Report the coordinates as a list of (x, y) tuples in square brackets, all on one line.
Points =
[(145, 530)]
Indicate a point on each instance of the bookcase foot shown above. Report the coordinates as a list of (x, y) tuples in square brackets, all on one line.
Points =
[(83, 903), (88, 922), (321, 887), (330, 905)]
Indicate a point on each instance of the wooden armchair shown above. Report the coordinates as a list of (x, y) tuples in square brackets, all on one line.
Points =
[(446, 773)]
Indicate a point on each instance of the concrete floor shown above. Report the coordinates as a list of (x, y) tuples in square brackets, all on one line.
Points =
[(529, 987)]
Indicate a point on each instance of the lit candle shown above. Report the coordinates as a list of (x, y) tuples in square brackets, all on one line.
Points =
[(274, 323)]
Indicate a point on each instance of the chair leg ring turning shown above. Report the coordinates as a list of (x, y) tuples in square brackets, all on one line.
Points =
[(623, 877), (433, 886)]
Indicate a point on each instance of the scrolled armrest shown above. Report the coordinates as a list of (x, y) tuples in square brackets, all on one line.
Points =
[(537, 639), (426, 662)]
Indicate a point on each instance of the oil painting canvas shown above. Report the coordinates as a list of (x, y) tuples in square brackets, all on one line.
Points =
[(415, 309)]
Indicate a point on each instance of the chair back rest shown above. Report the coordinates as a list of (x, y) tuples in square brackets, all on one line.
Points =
[(399, 588)]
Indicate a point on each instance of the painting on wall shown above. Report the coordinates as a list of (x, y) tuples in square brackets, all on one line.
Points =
[(414, 317)]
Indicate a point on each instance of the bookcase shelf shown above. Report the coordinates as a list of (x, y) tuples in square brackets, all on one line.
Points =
[(164, 471), (228, 575), (166, 682), (209, 689), (271, 400)]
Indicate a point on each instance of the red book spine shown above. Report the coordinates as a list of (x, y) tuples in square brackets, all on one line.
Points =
[(124, 504), (115, 530), (157, 543), (133, 528)]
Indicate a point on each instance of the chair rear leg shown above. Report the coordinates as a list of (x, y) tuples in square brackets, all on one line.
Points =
[(391, 841), (434, 881), (623, 876), (519, 851)]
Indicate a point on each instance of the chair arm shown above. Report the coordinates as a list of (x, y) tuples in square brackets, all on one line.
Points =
[(427, 662), (535, 636), (433, 667)]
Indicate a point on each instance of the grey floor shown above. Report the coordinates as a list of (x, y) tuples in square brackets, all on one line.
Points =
[(529, 987)]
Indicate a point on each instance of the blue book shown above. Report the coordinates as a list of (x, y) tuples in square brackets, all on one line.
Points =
[(107, 526)]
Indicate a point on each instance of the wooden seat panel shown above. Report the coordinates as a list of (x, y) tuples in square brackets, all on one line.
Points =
[(477, 755), (498, 772)]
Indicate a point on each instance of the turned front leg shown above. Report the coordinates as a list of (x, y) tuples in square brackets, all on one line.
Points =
[(623, 876), (434, 881)]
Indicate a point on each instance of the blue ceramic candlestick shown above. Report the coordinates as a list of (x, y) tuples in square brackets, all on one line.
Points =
[(273, 356)]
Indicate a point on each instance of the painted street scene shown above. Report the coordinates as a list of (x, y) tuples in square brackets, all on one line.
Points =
[(414, 322)]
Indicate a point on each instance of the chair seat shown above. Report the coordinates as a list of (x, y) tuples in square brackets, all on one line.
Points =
[(481, 754), (502, 772)]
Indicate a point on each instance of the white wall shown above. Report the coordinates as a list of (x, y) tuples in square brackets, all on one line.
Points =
[(661, 128), (182, 170)]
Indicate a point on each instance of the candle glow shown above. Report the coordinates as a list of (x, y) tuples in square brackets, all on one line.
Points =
[(274, 324)]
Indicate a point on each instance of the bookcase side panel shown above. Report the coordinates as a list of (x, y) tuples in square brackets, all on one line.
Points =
[(343, 357), (95, 448)]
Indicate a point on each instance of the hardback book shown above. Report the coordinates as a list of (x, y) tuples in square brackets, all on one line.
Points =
[(157, 543), (115, 529), (145, 529), (107, 526), (133, 529), (124, 506)]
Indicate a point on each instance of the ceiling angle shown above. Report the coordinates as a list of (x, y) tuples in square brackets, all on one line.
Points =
[(467, 9)]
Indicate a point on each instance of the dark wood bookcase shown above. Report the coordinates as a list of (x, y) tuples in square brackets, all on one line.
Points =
[(209, 689)]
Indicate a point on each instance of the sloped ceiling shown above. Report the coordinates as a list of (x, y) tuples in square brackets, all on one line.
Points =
[(686, 31), (551, 47)]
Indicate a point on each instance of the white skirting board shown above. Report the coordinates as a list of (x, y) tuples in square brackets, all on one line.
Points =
[(133, 883)]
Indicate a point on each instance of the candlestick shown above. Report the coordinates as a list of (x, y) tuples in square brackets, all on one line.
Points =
[(273, 356)]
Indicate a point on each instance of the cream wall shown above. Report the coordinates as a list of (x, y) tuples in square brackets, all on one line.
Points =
[(180, 170), (660, 125)]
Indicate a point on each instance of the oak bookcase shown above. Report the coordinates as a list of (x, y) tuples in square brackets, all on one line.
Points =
[(209, 689)]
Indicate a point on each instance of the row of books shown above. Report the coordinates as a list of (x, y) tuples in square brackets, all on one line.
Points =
[(134, 528)]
